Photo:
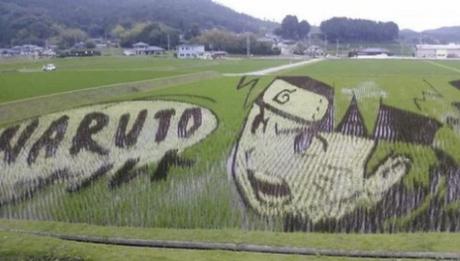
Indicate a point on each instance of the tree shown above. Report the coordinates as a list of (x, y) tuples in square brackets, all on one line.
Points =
[(70, 36), (390, 30), (192, 32), (90, 45), (118, 31), (303, 28), (292, 29), (289, 27)]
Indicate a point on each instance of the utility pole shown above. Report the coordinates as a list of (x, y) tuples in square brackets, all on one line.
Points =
[(337, 47), (325, 42), (169, 42), (248, 45)]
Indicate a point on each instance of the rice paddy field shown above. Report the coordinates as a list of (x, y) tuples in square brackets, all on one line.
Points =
[(383, 134), (16, 77)]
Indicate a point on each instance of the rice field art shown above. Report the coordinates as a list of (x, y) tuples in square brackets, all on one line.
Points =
[(267, 153), (291, 162), (79, 146)]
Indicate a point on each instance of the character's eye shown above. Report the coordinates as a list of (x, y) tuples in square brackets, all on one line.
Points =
[(283, 96)]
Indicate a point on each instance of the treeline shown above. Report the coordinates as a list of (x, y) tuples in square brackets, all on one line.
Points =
[(221, 40), (32, 21), (159, 22), (152, 33), (359, 30), (340, 28)]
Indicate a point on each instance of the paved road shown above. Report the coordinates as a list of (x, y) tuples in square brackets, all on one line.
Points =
[(275, 69)]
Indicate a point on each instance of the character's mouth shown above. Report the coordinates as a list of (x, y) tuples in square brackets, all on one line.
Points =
[(268, 189)]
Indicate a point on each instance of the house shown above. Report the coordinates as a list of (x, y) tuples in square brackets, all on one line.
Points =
[(187, 51), (53, 47), (141, 48), (370, 53), (79, 46), (8, 53), (129, 52), (287, 47), (48, 53), (437, 51), (151, 50), (270, 38), (315, 51), (100, 43), (218, 54), (27, 50), (101, 46)]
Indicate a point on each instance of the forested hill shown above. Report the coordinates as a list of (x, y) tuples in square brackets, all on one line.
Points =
[(99, 17), (441, 35), (445, 34)]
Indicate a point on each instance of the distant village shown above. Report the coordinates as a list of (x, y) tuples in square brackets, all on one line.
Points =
[(198, 51)]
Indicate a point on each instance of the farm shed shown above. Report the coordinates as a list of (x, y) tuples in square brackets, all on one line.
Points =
[(437, 51)]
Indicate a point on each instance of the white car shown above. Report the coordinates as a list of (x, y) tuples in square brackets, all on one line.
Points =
[(49, 67)]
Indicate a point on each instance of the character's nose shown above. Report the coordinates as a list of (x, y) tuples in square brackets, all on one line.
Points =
[(304, 141)]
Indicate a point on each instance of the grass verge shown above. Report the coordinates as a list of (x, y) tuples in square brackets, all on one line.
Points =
[(433, 242)]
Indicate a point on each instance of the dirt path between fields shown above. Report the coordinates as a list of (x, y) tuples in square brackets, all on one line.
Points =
[(27, 108), (275, 69)]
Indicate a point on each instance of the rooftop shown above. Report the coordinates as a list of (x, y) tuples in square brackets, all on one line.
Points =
[(437, 46), (191, 45), (374, 50), (154, 48), (140, 44)]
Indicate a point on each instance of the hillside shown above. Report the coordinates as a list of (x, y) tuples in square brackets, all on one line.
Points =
[(445, 34), (440, 35), (99, 17)]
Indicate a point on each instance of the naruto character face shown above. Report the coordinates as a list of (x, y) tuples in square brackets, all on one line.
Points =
[(288, 160)]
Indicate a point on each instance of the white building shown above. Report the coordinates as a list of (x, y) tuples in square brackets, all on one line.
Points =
[(437, 51), (187, 51), (315, 51), (28, 50), (287, 47), (141, 48)]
